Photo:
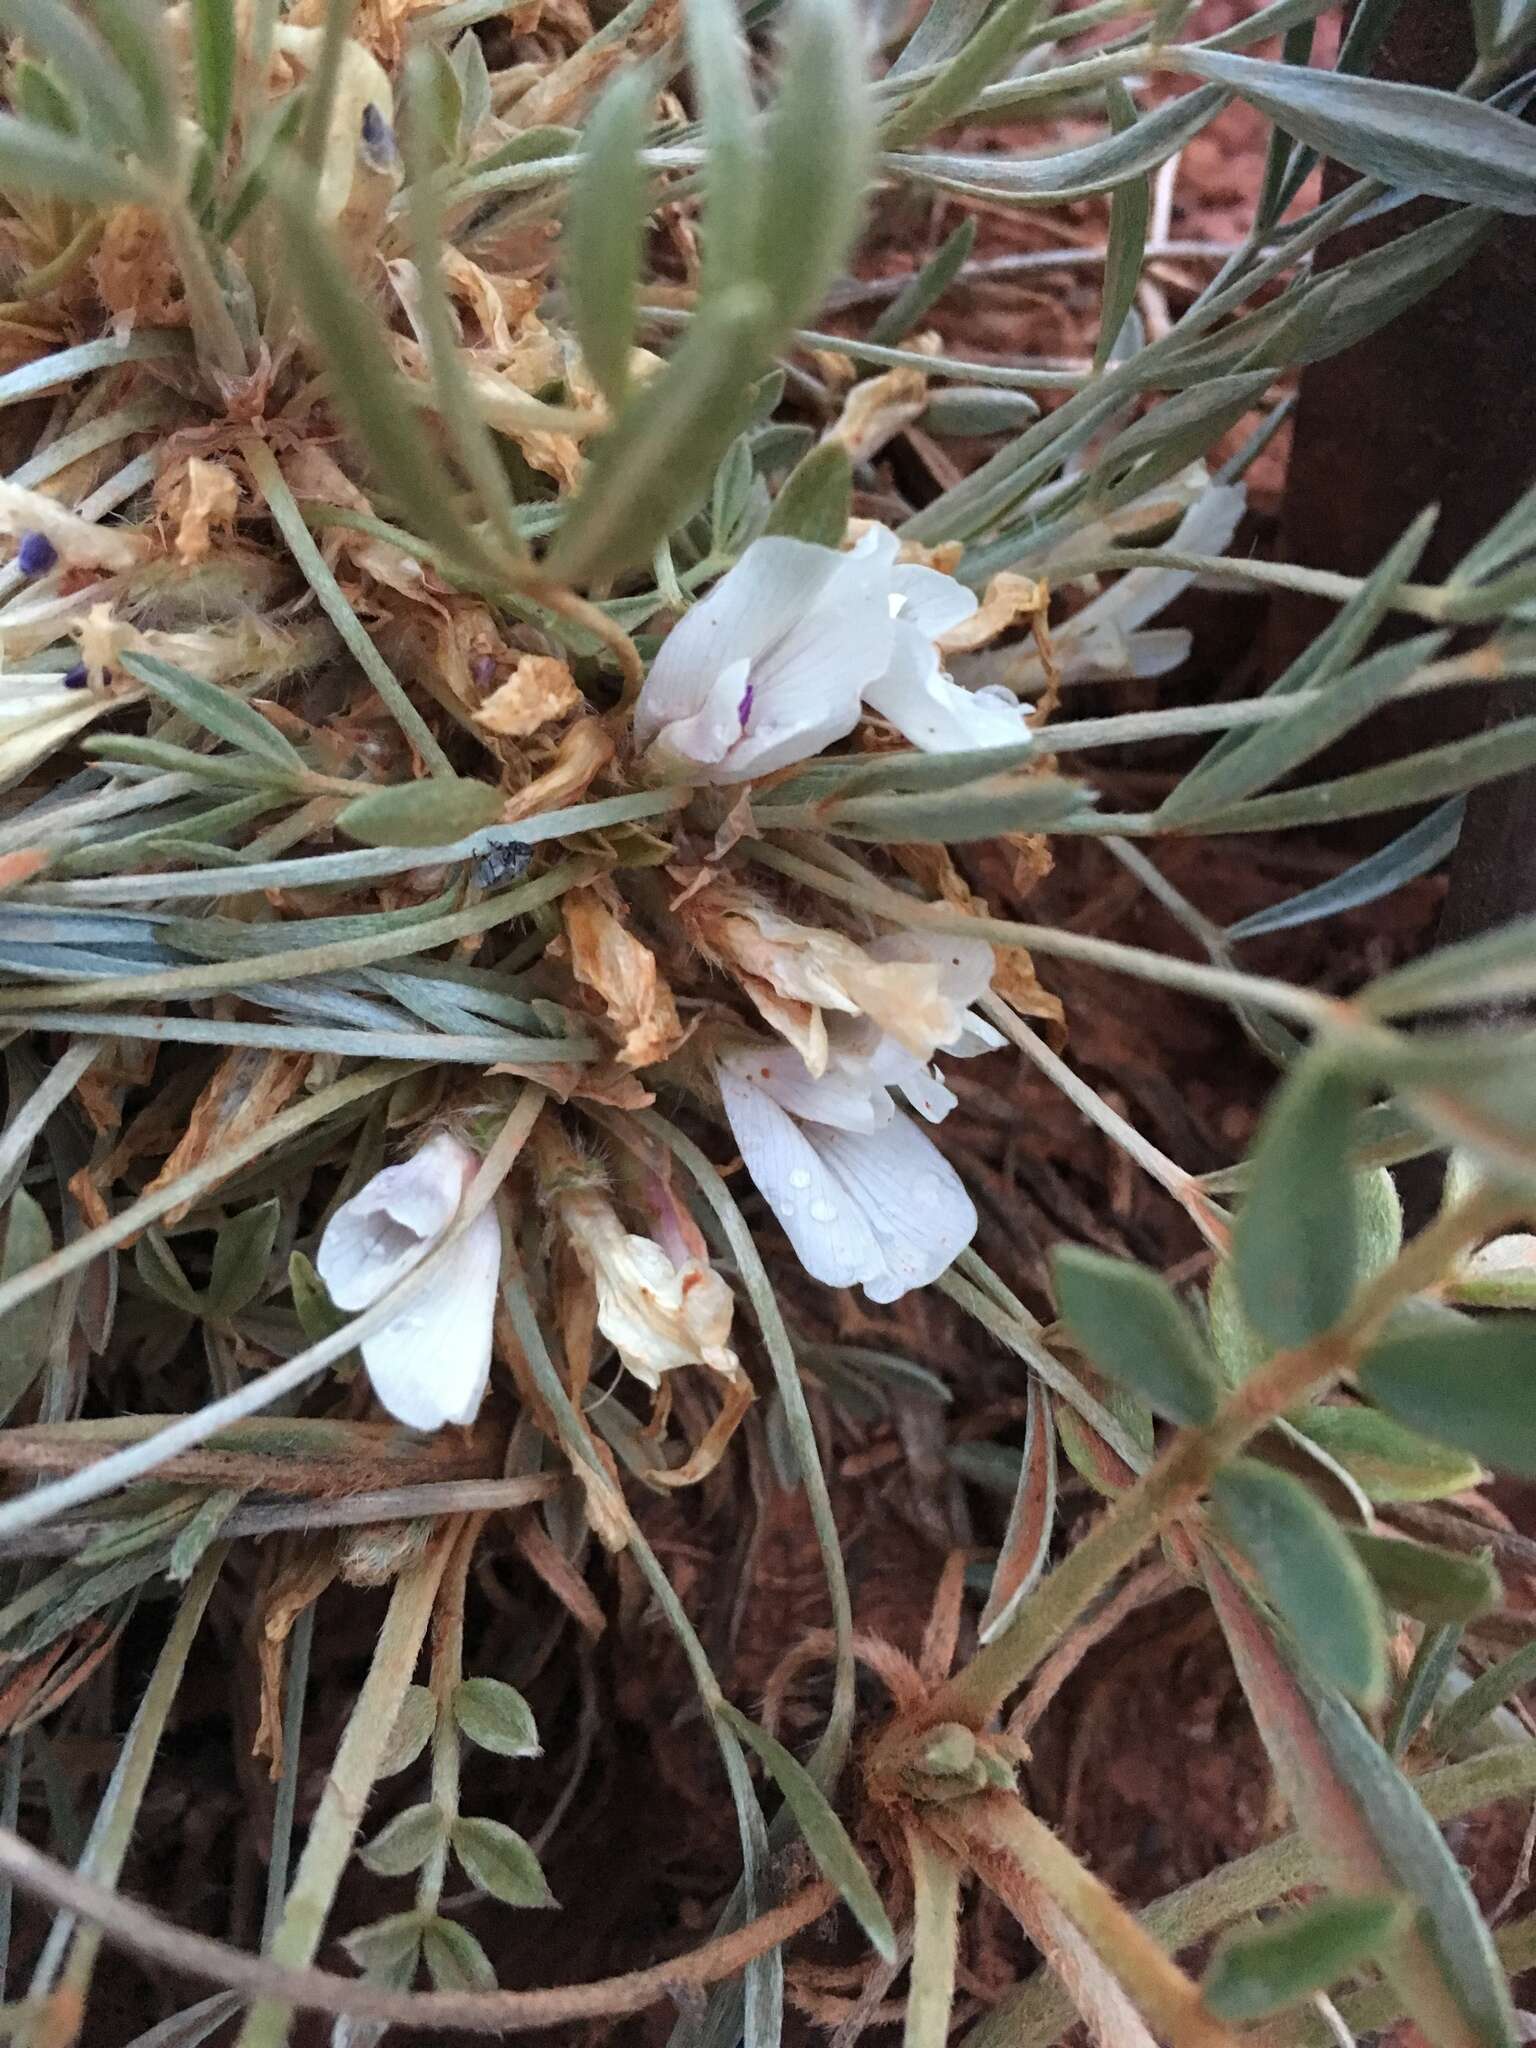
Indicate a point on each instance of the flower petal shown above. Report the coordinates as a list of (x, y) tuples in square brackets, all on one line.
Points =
[(910, 1197), (432, 1363), (921, 1083), (831, 1238), (848, 1097), (391, 1222), (747, 613), (930, 600), (807, 688), (933, 711)]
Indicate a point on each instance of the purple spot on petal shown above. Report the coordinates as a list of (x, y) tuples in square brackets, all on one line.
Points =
[(36, 554), (74, 677), (744, 708), (378, 137), (483, 669)]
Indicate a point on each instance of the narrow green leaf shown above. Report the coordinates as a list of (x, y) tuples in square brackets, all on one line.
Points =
[(925, 287), (495, 1716), (1495, 967), (406, 1842), (214, 55), (1407, 135), (1309, 1573), (473, 74), (39, 101), (432, 813), (240, 1254), (817, 138), (825, 1835), (978, 410), (134, 30), (987, 55), (1390, 1463), (1061, 176), (1254, 1975), (908, 772), (39, 160), (160, 1270), (1484, 1696), (653, 467), (1423, 1580), (1432, 1664), (1031, 1519), (455, 1960), (200, 1532), (367, 390), (1370, 1835), (437, 102), (718, 53), (318, 1318), (1275, 750), (1464, 1383), (216, 709), (1296, 1246), (24, 1329), (604, 235), (498, 1860), (1130, 210), (1031, 803), (54, 31), (1134, 1329), (817, 497), (1413, 853)]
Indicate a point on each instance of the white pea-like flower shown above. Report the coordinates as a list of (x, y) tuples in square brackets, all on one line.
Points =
[(431, 1363), (781, 657), (863, 1195), (659, 1306)]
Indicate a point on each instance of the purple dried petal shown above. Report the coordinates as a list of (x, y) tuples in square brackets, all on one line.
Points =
[(378, 137), (744, 708), (36, 554)]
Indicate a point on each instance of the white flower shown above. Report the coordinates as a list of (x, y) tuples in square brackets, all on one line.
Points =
[(964, 968), (915, 695), (1104, 638), (657, 1309), (862, 1194), (794, 972), (778, 661), (430, 1365), (771, 666)]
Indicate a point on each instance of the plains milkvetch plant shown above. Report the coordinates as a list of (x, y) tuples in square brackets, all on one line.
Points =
[(490, 758)]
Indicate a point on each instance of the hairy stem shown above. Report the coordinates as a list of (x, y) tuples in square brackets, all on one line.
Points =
[(1182, 1474)]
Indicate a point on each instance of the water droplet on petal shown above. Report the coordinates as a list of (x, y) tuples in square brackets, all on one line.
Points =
[(823, 1212), (800, 1178)]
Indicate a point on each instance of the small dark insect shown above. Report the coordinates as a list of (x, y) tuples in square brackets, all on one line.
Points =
[(36, 554), (507, 860), (378, 138)]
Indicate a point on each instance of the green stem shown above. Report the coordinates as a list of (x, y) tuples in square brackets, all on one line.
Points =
[(117, 1817), (935, 1939), (294, 1691), (340, 1812), (1039, 2011), (447, 1670), (291, 524), (1182, 1474)]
